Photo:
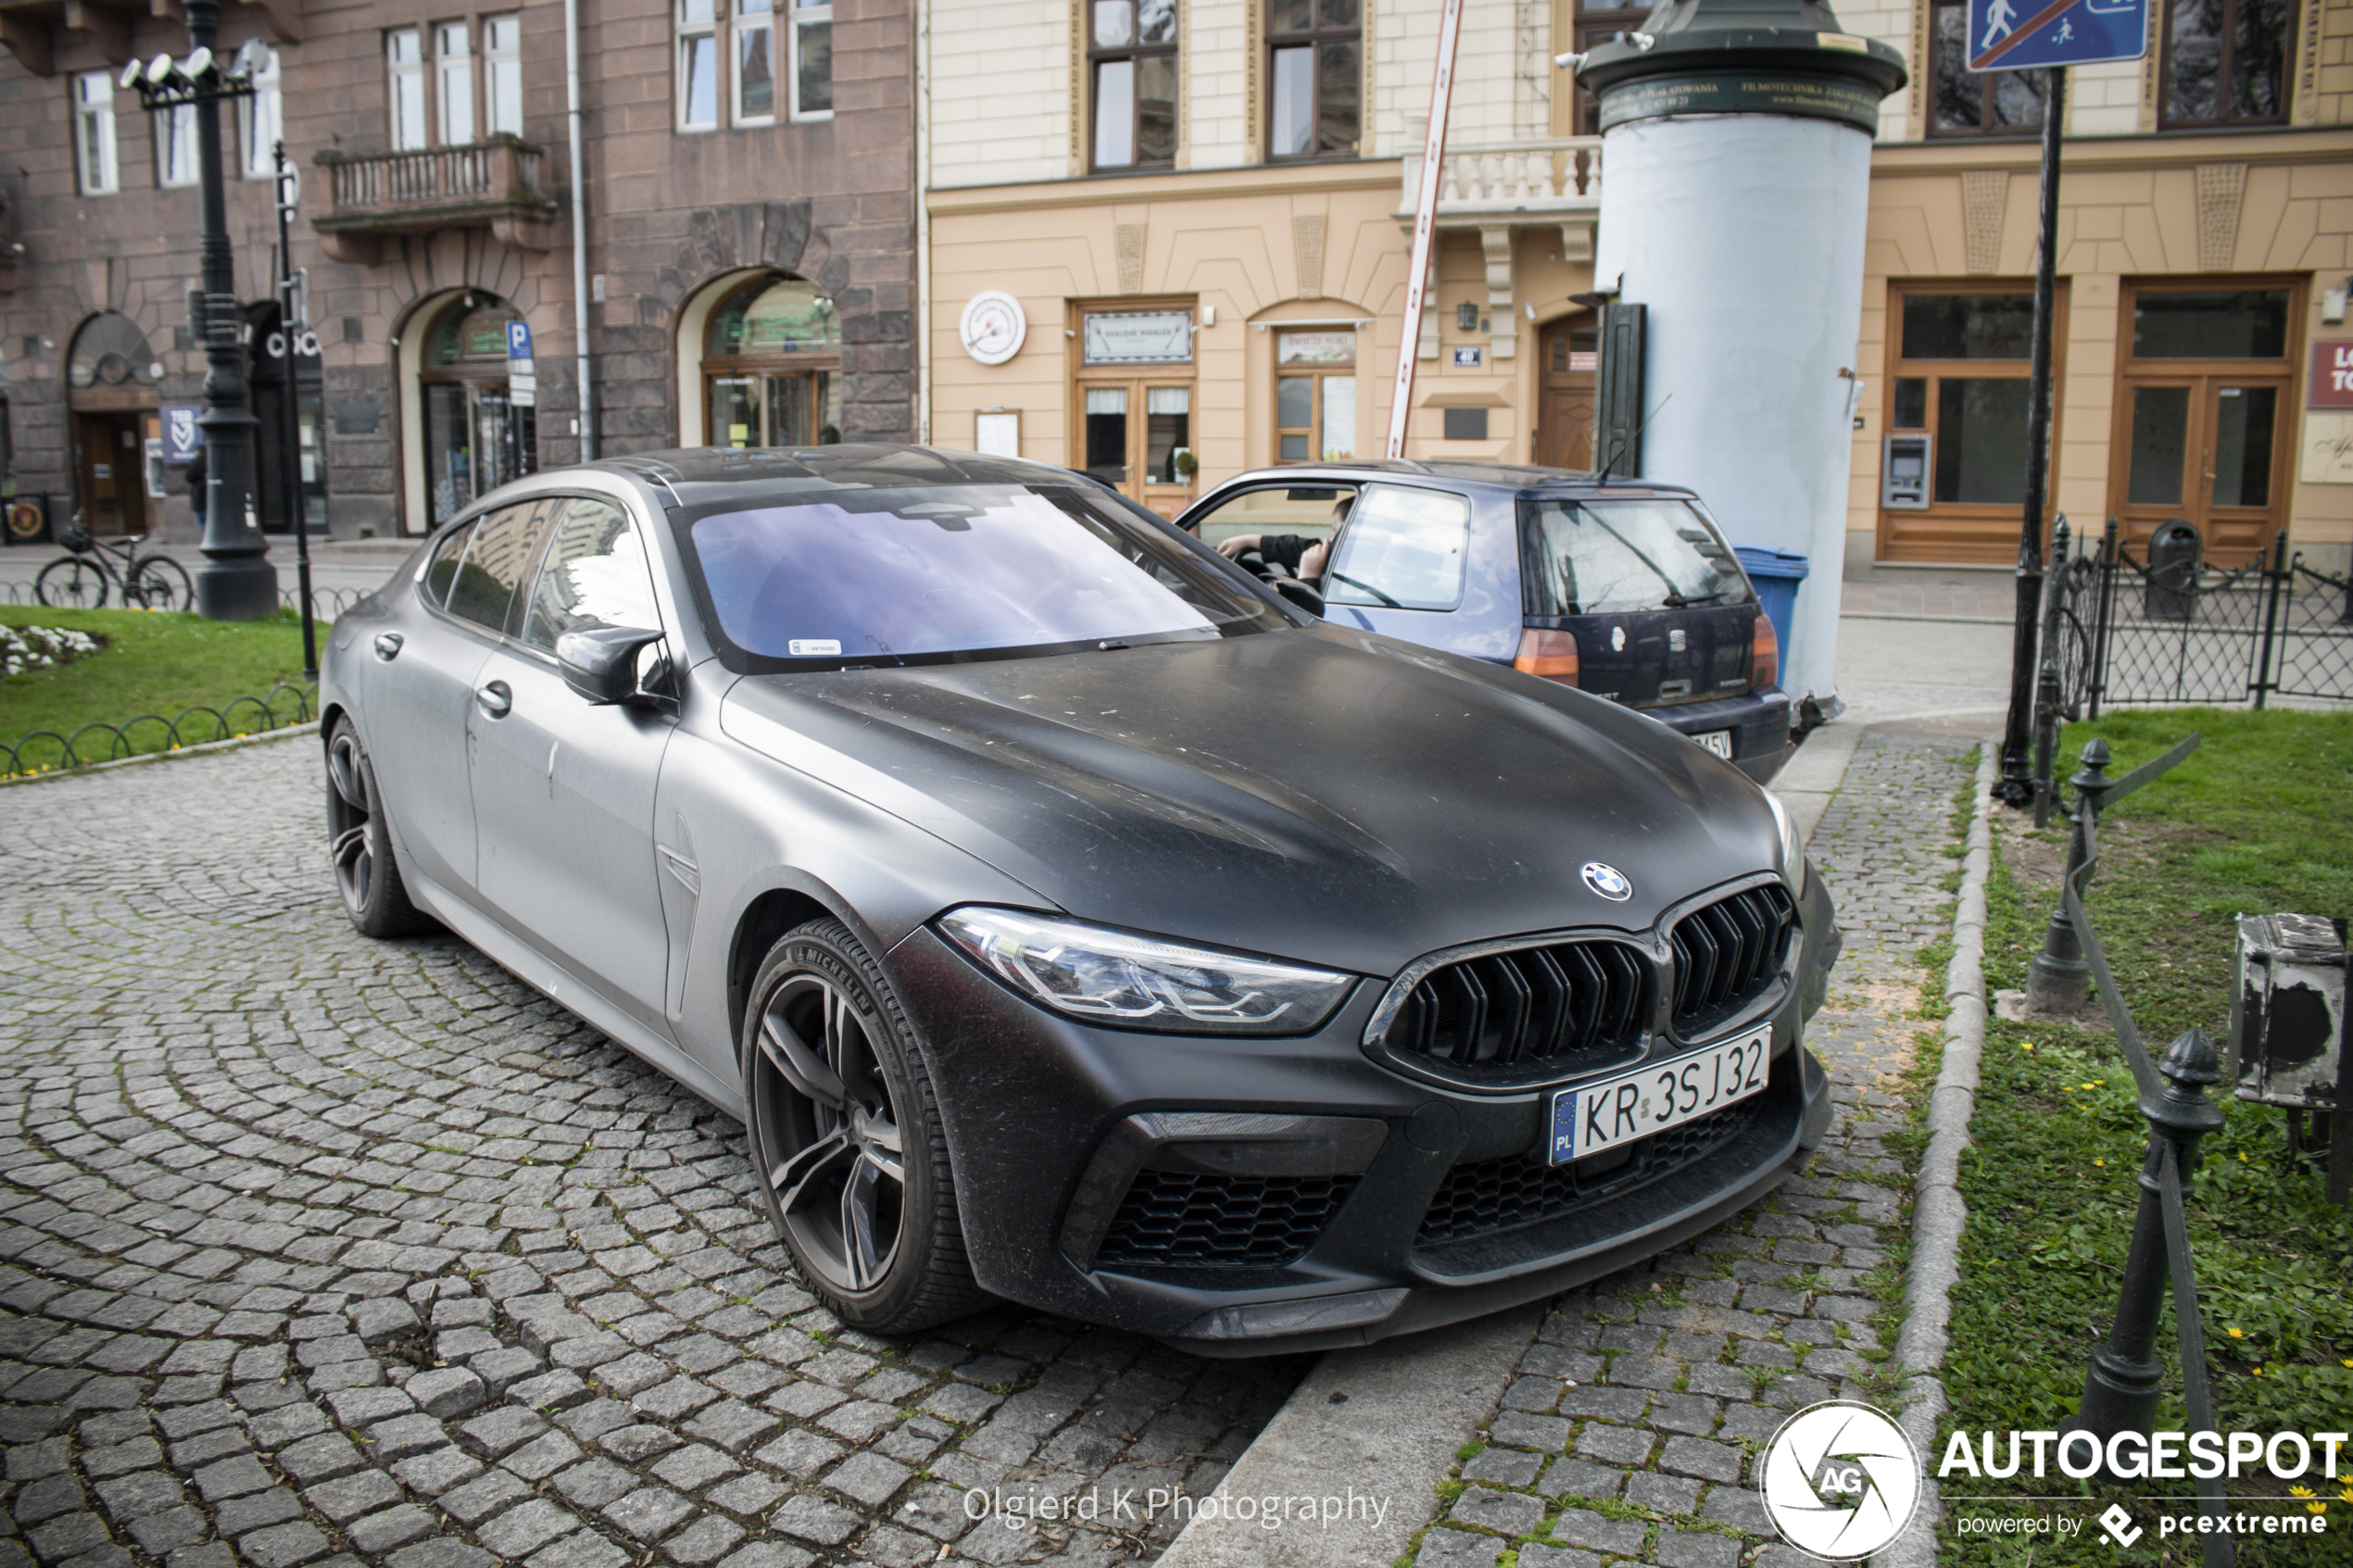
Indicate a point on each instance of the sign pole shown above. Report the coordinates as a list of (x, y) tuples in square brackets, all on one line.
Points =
[(294, 325), (2017, 786), (1442, 95)]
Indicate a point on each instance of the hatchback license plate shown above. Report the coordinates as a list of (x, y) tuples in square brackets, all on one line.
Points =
[(1593, 1118), (1718, 742)]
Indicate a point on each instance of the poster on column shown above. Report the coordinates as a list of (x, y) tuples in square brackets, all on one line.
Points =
[(2024, 35)]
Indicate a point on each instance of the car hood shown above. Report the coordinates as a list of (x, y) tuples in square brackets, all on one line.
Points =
[(1321, 795)]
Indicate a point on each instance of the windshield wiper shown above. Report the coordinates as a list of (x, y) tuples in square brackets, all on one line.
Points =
[(1678, 601), (1343, 577)]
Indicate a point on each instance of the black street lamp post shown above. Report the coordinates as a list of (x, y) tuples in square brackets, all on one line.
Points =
[(237, 581)]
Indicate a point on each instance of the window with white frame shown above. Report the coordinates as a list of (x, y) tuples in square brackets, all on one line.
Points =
[(405, 62), (502, 73), (454, 75), (93, 132), (263, 117), (755, 62), (698, 65), (812, 59), (176, 146)]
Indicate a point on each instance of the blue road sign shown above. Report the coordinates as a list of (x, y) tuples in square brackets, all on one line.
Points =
[(2022, 35), (517, 340)]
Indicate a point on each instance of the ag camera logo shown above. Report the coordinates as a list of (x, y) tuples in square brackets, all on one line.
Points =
[(1841, 1480)]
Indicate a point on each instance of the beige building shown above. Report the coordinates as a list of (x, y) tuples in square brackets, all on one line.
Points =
[(1201, 212)]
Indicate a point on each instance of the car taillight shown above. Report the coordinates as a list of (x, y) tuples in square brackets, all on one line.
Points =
[(1765, 656), (1552, 655)]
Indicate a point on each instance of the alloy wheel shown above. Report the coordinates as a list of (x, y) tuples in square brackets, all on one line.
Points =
[(349, 815), (831, 1148)]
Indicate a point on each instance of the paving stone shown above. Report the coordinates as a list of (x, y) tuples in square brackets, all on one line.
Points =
[(1663, 1494), (811, 1520), (353, 1496), (526, 1528), (690, 1469), (648, 1513), (284, 1546), (1574, 1477), (435, 1472), (1580, 1526), (446, 1392), (483, 1499), (1513, 1514), (1459, 1549), (869, 1478), (703, 1542), (1538, 1555), (582, 1549), (319, 1459), (1696, 1456), (1507, 1467), (1688, 1549)]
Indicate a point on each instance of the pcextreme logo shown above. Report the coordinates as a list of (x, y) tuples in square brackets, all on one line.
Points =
[(1841, 1480)]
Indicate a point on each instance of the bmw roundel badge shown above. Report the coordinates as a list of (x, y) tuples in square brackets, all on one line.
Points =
[(1608, 881)]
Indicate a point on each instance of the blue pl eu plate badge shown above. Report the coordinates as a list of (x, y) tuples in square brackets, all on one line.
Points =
[(1564, 1126)]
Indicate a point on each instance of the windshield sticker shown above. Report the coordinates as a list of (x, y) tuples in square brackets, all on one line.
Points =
[(814, 647)]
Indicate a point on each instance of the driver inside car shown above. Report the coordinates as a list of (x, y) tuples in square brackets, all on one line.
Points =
[(1301, 555)]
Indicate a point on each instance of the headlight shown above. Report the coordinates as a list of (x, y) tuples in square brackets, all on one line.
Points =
[(1793, 852), (1135, 982)]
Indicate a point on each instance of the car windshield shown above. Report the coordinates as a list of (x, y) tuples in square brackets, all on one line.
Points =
[(941, 573), (1590, 557)]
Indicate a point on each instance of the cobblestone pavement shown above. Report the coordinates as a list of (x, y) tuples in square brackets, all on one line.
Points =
[(1627, 1430), (316, 1250)]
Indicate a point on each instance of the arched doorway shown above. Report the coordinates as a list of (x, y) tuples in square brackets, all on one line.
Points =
[(476, 436), (110, 393), (772, 365), (1568, 356), (266, 375)]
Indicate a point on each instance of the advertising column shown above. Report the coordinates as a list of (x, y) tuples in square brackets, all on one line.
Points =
[(1736, 157)]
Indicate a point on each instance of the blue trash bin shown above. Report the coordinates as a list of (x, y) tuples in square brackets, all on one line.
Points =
[(1776, 574)]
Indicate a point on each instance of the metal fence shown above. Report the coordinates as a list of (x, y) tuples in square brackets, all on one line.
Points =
[(2168, 628), (46, 751), (325, 602)]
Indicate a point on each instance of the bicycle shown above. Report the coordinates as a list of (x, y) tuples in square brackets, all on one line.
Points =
[(80, 579)]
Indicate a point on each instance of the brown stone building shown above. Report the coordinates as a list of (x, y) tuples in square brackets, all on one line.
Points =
[(748, 242)]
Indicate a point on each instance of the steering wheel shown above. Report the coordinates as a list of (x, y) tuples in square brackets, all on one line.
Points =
[(1251, 561)]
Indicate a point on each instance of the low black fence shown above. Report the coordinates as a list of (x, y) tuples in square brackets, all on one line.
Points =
[(48, 751), (2164, 626), (325, 602)]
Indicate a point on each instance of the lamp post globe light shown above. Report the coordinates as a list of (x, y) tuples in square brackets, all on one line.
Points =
[(237, 581)]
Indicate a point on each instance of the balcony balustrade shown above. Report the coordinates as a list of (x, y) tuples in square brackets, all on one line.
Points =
[(493, 184)]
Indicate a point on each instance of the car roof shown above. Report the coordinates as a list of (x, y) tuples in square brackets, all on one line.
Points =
[(703, 475), (1514, 477)]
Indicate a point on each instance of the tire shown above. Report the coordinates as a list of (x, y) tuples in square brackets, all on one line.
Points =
[(360, 838), (161, 582), (843, 1118), (71, 583)]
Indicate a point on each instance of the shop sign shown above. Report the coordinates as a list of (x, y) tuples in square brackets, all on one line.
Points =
[(1140, 337), (182, 437), (2332, 374), (2328, 449), (1315, 349)]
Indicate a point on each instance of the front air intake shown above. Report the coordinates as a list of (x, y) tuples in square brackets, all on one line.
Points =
[(1728, 954)]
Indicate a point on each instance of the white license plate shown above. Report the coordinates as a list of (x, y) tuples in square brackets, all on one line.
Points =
[(1718, 742), (1595, 1118)]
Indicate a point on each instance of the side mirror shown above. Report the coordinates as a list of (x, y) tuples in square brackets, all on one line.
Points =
[(601, 662), (1300, 594)]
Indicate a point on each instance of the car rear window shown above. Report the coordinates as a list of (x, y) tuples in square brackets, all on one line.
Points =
[(951, 572), (1591, 557)]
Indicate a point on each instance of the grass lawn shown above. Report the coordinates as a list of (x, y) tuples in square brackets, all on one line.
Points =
[(157, 664), (2255, 821)]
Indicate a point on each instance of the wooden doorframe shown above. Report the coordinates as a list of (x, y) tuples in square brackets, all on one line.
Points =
[(1965, 532), (2202, 375), (1139, 379), (1567, 384)]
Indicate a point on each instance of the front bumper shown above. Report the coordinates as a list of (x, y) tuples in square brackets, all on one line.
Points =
[(1313, 1170)]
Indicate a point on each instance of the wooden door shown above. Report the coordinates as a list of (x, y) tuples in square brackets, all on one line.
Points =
[(109, 479), (2210, 449), (1565, 394)]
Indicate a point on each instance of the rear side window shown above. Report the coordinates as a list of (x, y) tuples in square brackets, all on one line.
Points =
[(443, 565), (1403, 550), (504, 546), (1597, 558)]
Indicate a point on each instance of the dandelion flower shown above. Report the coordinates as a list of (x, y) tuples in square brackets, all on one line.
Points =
[(2099, 1161), (2026, 1045), (2236, 1334)]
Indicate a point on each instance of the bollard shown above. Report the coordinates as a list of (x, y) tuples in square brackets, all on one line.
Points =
[(2121, 1391), (2059, 978), (2046, 722)]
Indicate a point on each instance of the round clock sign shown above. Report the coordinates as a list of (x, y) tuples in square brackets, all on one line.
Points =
[(993, 327)]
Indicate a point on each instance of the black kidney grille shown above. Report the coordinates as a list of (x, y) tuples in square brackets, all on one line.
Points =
[(1179, 1219), (1727, 953), (1483, 1197), (1530, 1005)]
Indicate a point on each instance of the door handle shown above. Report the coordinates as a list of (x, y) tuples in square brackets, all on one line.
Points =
[(387, 646), (495, 698)]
